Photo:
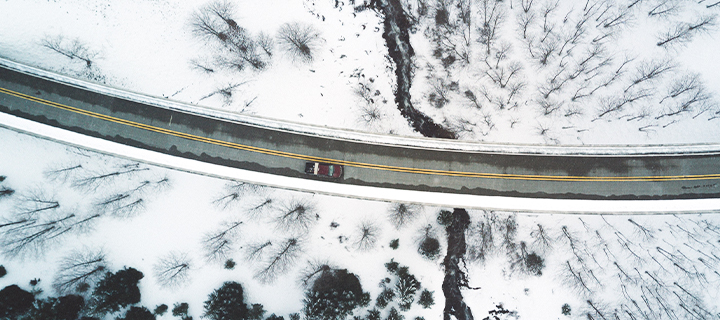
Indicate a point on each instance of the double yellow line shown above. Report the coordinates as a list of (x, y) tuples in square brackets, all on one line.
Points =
[(349, 163)]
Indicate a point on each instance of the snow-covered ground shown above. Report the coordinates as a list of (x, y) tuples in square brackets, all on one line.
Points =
[(148, 46), (180, 210)]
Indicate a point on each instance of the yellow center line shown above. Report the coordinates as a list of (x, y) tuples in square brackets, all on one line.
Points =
[(349, 163)]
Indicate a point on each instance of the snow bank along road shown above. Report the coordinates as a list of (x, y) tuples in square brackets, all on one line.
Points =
[(149, 123)]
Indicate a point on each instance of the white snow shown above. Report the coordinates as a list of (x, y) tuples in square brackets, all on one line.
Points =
[(144, 49)]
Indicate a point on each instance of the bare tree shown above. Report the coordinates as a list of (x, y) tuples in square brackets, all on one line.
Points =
[(36, 222), (502, 75), (266, 43), (298, 214), (300, 40), (664, 8), (681, 85), (260, 207), (219, 243), (683, 32), (402, 213), (233, 192), (280, 260), (172, 270), (72, 49), (254, 251), (237, 48), (130, 202), (62, 173), (6, 191), (575, 278), (313, 270), (480, 239), (79, 271), (650, 71), (491, 14), (371, 114), (541, 239), (366, 235), (226, 92), (90, 180)]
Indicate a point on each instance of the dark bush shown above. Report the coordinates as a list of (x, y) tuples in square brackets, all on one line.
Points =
[(14, 301), (444, 217), (406, 287), (5, 191), (274, 317), (229, 264), (394, 243), (373, 314), (426, 299), (384, 298), (394, 315), (3, 272), (137, 313), (226, 303), (442, 16), (180, 309), (334, 295), (69, 307), (117, 290), (565, 309), (534, 264), (161, 309), (429, 247), (256, 312), (392, 266)]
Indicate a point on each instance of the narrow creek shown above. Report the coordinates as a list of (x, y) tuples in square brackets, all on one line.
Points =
[(398, 42), (455, 278)]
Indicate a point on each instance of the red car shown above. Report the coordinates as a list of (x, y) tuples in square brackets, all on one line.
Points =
[(324, 169)]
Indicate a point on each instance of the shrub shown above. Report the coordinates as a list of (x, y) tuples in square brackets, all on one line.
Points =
[(69, 307), (406, 286), (117, 290), (138, 313), (384, 298), (444, 217), (226, 303), (429, 247), (300, 40), (256, 312), (426, 299), (565, 309), (373, 314), (14, 301), (394, 244), (534, 264), (394, 315), (229, 264), (180, 309), (401, 214), (3, 272), (160, 310), (392, 266), (334, 295), (274, 317)]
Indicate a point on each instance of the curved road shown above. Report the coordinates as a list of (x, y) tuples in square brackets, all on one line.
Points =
[(282, 152)]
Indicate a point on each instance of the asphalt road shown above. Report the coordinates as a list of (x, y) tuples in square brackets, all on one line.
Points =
[(284, 153)]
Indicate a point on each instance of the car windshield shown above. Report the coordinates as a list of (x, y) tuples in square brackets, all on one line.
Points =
[(331, 170)]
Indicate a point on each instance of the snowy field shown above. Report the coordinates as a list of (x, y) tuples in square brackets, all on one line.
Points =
[(545, 72), (149, 218), (582, 75)]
